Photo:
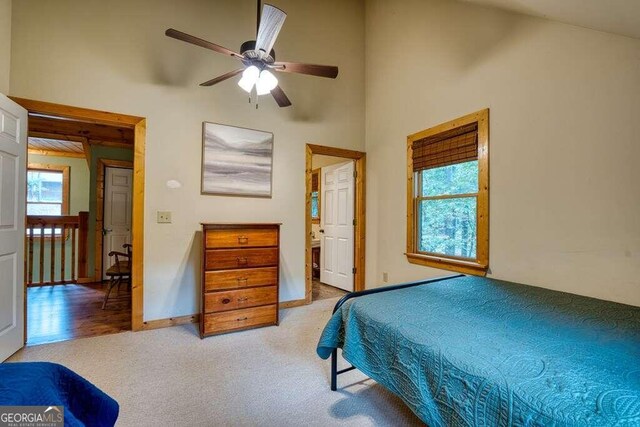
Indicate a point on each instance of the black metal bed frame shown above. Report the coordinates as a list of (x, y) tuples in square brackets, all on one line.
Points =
[(334, 353)]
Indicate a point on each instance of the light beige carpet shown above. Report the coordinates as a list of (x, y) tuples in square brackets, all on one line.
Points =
[(263, 377)]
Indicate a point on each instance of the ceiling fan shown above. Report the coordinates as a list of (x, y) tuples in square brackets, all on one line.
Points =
[(259, 58)]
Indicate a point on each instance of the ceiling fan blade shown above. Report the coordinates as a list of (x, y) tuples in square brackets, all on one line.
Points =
[(270, 25), (280, 97), (222, 77), (328, 71), (179, 35)]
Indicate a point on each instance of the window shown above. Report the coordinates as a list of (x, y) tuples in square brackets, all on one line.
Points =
[(315, 209), (315, 196), (448, 195), (47, 191)]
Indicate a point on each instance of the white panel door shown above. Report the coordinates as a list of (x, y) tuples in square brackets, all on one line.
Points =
[(118, 183), (336, 225), (13, 181)]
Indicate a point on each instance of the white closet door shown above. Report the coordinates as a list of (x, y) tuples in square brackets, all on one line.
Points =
[(117, 212)]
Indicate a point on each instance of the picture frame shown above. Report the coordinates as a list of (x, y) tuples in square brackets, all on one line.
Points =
[(236, 161)]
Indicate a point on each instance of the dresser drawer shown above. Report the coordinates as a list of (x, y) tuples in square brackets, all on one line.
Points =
[(239, 319), (218, 259), (241, 238), (240, 298), (242, 278)]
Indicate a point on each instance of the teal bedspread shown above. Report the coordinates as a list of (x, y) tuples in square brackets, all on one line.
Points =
[(472, 351)]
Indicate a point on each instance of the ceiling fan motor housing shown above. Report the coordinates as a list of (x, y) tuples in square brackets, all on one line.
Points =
[(248, 50)]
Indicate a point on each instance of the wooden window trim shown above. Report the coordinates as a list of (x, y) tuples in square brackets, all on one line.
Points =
[(65, 181), (480, 265)]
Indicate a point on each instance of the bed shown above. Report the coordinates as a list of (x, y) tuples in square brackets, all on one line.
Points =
[(50, 384), (482, 352)]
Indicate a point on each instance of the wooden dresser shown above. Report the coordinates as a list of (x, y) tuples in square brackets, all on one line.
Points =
[(240, 277)]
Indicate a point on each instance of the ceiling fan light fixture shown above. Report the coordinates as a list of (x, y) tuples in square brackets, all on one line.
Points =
[(266, 83), (249, 77)]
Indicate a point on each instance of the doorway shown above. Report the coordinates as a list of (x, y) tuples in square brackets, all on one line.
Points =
[(92, 137), (335, 222)]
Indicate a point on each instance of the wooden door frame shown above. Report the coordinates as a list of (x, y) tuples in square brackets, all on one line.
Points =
[(102, 164), (360, 213), (139, 126)]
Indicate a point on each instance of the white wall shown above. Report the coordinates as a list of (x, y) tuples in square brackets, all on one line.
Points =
[(5, 45), (564, 146), (114, 56)]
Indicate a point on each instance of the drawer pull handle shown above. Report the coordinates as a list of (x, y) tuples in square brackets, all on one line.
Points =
[(226, 301), (242, 279), (243, 240), (241, 319), (242, 299), (242, 261)]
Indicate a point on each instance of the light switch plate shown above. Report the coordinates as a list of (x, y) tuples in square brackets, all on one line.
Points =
[(164, 217)]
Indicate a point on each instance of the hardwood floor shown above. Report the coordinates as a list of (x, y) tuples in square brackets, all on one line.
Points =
[(321, 291), (64, 312)]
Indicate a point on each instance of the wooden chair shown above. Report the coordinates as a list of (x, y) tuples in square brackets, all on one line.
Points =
[(118, 272)]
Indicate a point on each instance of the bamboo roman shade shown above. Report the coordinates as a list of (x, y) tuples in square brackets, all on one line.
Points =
[(446, 148)]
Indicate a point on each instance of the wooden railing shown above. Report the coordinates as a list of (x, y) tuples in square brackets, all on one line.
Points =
[(56, 249)]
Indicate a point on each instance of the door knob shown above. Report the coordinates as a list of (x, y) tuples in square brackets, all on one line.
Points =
[(105, 231)]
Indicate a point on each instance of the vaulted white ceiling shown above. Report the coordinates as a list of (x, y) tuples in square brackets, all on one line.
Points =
[(614, 16)]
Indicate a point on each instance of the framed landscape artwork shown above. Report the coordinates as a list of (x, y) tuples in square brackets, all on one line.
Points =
[(236, 161)]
